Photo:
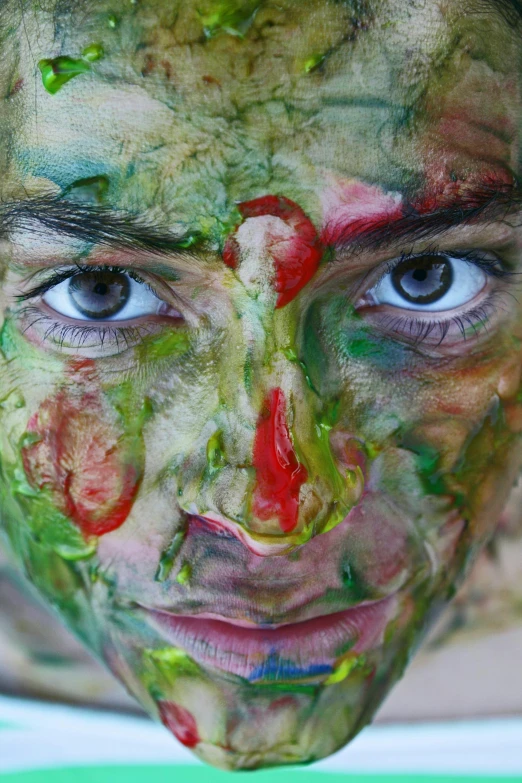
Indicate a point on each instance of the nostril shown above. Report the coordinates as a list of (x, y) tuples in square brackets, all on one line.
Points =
[(350, 454), (279, 474), (218, 525)]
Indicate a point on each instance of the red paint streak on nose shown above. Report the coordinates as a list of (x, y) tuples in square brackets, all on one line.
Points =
[(180, 722), (279, 476), (296, 259)]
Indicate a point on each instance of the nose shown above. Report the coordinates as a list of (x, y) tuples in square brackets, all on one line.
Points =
[(279, 474), (262, 467)]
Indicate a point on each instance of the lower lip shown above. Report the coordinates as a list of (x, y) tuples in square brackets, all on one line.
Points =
[(304, 650)]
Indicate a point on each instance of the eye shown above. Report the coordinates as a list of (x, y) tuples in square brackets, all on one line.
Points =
[(104, 295), (430, 283)]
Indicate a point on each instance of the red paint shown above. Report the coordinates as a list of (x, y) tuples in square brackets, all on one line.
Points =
[(279, 476), (352, 209), (180, 722), (92, 469), (297, 260)]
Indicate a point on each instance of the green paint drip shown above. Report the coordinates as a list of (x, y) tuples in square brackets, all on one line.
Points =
[(112, 21), (168, 557), (185, 574), (344, 668), (314, 62), (215, 453), (58, 71), (93, 52), (233, 17)]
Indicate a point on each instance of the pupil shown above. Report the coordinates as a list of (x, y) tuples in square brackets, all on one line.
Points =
[(99, 294), (423, 280)]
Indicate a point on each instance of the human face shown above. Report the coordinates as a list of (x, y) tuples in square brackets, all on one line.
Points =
[(261, 345)]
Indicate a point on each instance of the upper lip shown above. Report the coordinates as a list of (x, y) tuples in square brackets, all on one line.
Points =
[(261, 545)]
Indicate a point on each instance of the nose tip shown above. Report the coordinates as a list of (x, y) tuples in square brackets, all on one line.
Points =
[(279, 474)]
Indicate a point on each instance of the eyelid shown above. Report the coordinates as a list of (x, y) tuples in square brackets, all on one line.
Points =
[(487, 261), (57, 276)]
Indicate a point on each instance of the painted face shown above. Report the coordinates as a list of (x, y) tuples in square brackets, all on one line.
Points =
[(260, 351)]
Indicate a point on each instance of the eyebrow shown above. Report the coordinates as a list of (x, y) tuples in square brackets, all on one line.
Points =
[(412, 221), (511, 10), (92, 224), (416, 221)]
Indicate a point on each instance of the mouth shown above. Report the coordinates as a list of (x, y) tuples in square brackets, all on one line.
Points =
[(312, 650)]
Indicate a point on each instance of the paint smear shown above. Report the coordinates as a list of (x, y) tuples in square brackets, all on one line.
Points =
[(296, 260), (279, 476), (180, 722)]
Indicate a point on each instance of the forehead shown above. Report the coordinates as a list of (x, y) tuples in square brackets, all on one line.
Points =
[(204, 104)]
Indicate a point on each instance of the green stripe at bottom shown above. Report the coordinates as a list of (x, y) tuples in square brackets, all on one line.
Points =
[(196, 774)]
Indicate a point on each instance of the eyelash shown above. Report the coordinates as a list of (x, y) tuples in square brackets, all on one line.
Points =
[(65, 274), (476, 318), (75, 333)]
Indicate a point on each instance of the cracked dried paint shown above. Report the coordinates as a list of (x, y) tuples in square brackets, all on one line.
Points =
[(267, 444)]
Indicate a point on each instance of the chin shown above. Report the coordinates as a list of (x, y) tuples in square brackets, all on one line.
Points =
[(271, 715)]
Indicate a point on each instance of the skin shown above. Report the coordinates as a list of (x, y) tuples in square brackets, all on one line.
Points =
[(274, 447)]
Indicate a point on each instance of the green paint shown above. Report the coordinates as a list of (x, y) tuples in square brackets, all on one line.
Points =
[(167, 345), (8, 340), (91, 189), (57, 72), (215, 453), (343, 669), (328, 465), (233, 17), (93, 52), (12, 401), (357, 587), (49, 528), (185, 574), (427, 461), (163, 667), (314, 62), (172, 662), (112, 21), (363, 347), (168, 557)]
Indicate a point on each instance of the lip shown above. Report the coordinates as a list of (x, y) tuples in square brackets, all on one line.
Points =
[(286, 652)]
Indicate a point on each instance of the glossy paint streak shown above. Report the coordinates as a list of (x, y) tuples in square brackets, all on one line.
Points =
[(279, 476), (295, 261)]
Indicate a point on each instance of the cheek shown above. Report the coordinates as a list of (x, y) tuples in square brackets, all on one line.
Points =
[(89, 463)]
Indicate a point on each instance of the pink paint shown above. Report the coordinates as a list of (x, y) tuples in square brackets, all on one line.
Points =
[(91, 469), (297, 259), (279, 475), (180, 722), (352, 208)]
